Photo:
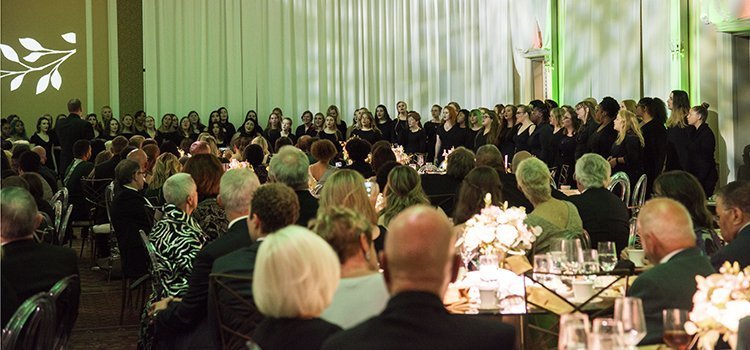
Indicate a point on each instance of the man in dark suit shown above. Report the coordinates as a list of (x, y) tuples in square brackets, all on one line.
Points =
[(604, 215), (27, 267), (235, 192), (733, 209), (106, 169), (273, 206), (668, 239), (71, 129), (418, 263), (289, 166), (129, 215)]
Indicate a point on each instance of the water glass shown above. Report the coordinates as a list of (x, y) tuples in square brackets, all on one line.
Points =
[(607, 255), (590, 263), (488, 263), (542, 266), (675, 335), (572, 255), (574, 331), (629, 311), (605, 334)]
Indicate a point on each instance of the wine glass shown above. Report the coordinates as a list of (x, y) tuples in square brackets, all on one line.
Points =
[(574, 330), (590, 264), (466, 256), (542, 266), (629, 311), (675, 335), (607, 255), (572, 255), (605, 334)]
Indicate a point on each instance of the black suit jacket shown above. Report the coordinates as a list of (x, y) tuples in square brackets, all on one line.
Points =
[(308, 207), (418, 320), (293, 333), (106, 169), (183, 316), (29, 268), (69, 130), (129, 214), (669, 286), (737, 250), (605, 217), (512, 194), (75, 189)]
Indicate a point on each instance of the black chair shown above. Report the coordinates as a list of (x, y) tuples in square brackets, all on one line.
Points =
[(61, 233), (94, 192), (32, 326), (235, 315), (138, 284), (67, 295)]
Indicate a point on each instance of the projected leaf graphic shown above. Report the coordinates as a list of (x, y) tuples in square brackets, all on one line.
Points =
[(51, 71)]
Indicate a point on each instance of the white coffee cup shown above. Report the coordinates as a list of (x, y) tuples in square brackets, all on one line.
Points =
[(583, 289), (636, 256), (488, 298)]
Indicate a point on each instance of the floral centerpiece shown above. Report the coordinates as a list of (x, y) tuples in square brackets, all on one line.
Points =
[(236, 164), (721, 301), (401, 156), (446, 153)]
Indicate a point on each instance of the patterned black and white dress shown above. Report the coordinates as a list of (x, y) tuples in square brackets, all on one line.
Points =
[(177, 238)]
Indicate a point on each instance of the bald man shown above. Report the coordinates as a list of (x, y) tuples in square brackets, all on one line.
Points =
[(668, 239), (419, 262)]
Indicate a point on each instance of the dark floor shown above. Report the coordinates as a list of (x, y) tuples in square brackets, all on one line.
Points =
[(98, 325)]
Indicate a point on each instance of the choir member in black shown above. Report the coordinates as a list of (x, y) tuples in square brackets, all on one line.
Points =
[(627, 150), (106, 117), (306, 128), (701, 148), (95, 124), (126, 126), (41, 137), (678, 132), (585, 113), (558, 132), (526, 127), (217, 132), (247, 130), (333, 111), (185, 131), (113, 130), (213, 117), (195, 122), (414, 139), (319, 121), (367, 129), (355, 122), (430, 130), (601, 140), (229, 129), (541, 138), (273, 128), (286, 130), (385, 124), (400, 123), (332, 133), (654, 114), (358, 150), (565, 157), (254, 116), (450, 135), (149, 128), (166, 131), (507, 130), (488, 132), (473, 125)]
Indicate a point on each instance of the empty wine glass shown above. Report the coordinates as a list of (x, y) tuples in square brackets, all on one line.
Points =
[(607, 255), (605, 334), (542, 266), (572, 255), (629, 311), (590, 264), (675, 335), (574, 330)]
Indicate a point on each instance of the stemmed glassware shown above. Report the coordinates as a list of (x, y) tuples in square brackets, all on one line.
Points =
[(466, 256), (572, 254), (629, 312), (675, 335), (605, 334), (590, 264), (607, 255), (574, 331)]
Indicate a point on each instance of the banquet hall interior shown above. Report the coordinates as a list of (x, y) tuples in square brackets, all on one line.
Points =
[(428, 173)]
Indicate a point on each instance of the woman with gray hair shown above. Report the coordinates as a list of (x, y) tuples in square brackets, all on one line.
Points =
[(558, 219)]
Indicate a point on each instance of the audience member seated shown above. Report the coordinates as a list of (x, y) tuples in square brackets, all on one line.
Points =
[(358, 150), (442, 189), (668, 240), (254, 156), (177, 238), (31, 162), (323, 151), (347, 188), (303, 266), (36, 189), (289, 167), (79, 168), (45, 170), (106, 170), (206, 170), (733, 209), (604, 215), (189, 316), (481, 181), (382, 176), (404, 189), (558, 219), (129, 215), (166, 165), (362, 292), (152, 153), (28, 267), (418, 263), (489, 155), (685, 188)]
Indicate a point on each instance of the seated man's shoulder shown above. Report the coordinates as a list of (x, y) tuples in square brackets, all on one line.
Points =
[(239, 261)]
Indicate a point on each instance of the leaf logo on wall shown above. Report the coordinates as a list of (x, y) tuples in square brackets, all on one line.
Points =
[(36, 51)]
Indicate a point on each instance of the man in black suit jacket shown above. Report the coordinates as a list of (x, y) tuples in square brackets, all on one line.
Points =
[(733, 209), (604, 215), (79, 168), (106, 169), (274, 206), (27, 267), (129, 215), (289, 166), (71, 129), (415, 317), (235, 192), (668, 239)]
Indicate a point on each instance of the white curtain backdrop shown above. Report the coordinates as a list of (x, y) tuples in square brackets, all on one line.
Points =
[(308, 54)]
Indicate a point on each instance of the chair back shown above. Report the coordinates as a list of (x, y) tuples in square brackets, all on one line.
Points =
[(32, 326), (151, 251), (62, 196), (639, 193), (634, 241), (64, 225), (67, 295), (234, 312), (109, 195), (94, 191), (620, 179)]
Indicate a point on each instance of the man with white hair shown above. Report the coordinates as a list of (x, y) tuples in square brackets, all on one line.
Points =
[(668, 239), (289, 166), (604, 215)]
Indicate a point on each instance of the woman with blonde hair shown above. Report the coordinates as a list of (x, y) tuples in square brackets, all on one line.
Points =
[(166, 165), (627, 151), (347, 188), (403, 190), (367, 128), (263, 143)]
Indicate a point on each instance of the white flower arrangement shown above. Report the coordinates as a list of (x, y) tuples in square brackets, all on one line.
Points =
[(721, 301), (236, 164), (497, 229), (446, 153), (401, 156)]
